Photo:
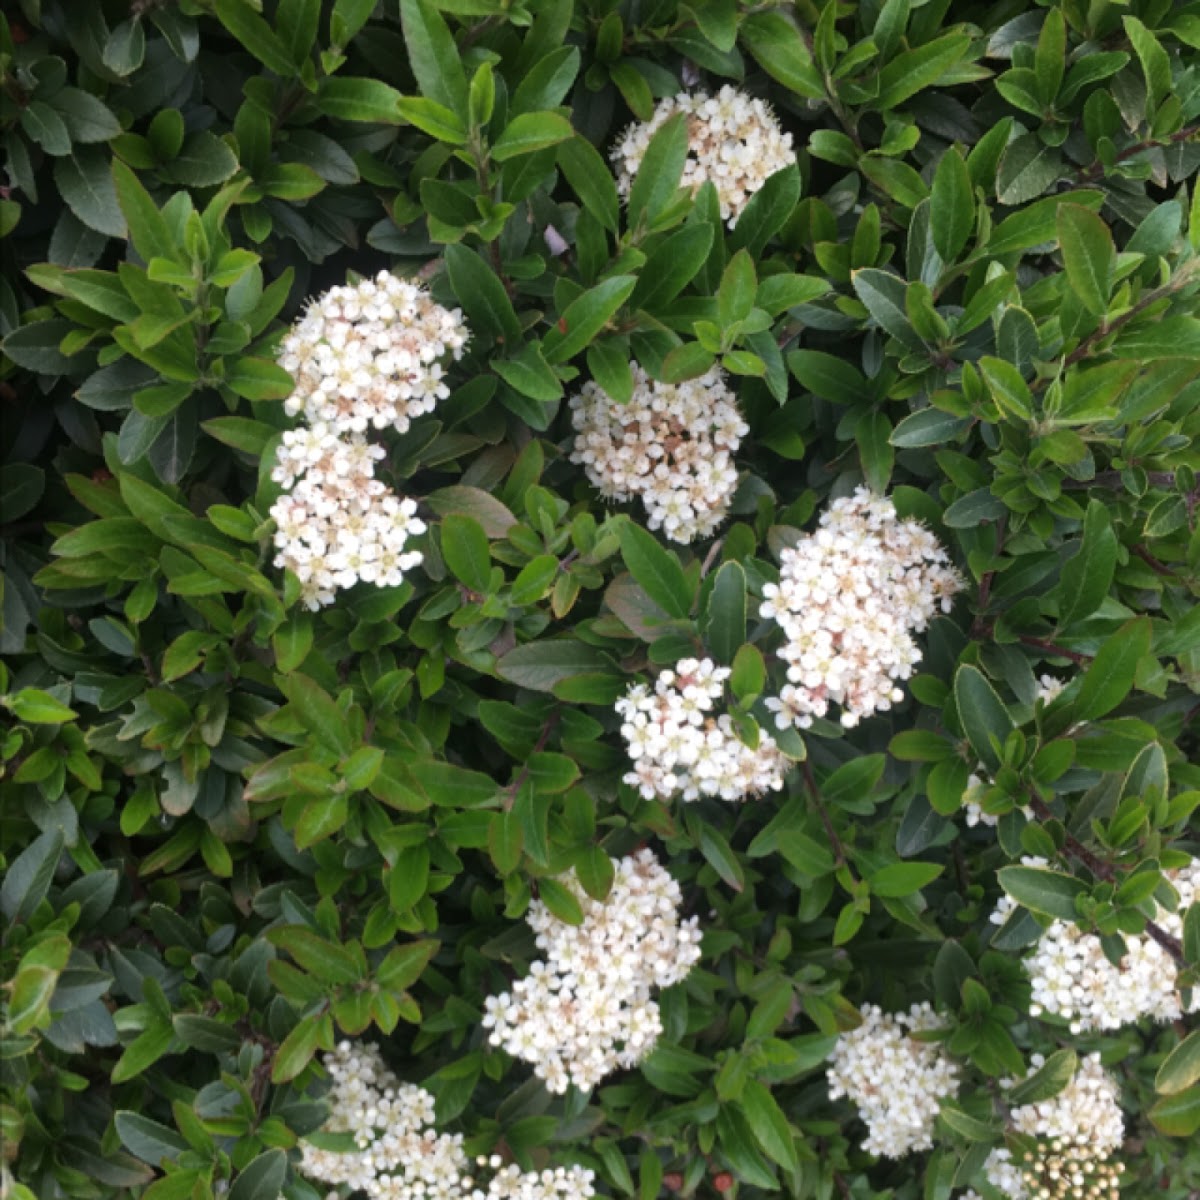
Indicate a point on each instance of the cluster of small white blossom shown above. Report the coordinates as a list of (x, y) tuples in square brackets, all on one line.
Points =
[(896, 1081), (1072, 977), (1074, 1135), (672, 445), (734, 140), (511, 1183), (362, 357), (586, 1009), (681, 748), (398, 1155), (849, 598), (978, 782)]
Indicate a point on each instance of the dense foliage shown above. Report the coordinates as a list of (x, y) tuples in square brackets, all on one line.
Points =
[(238, 829)]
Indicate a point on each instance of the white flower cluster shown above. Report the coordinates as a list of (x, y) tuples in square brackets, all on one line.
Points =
[(399, 1156), (586, 1010), (680, 748), (734, 140), (1075, 1133), (672, 445), (363, 357), (849, 598), (1072, 977), (896, 1081)]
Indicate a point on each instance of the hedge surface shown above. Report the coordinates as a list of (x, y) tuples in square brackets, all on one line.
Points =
[(236, 830)]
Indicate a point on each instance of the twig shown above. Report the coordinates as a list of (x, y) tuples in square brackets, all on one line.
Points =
[(834, 841), (1097, 169), (510, 792), (1106, 872), (1053, 648)]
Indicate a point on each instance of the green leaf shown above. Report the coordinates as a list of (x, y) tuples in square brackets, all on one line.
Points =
[(735, 296), (928, 427), (258, 379), (540, 665), (147, 228), (1008, 388), (37, 707), (1178, 1115), (769, 1125), (465, 549), (204, 161), (656, 569), (830, 377), (589, 176), (776, 44), (253, 33), (88, 118), (479, 290), (914, 70), (659, 175), (433, 118), (1037, 223), (495, 517), (720, 856), (262, 1178), (433, 56), (1047, 1081), (903, 878), (725, 626), (86, 184), (951, 205), (1041, 890), (586, 316), (1088, 574), (28, 876), (767, 212), (44, 126), (317, 713), (404, 965), (529, 132), (853, 781), (296, 1050), (1110, 676), (353, 99), (982, 714), (1088, 255), (885, 294), (1027, 168), (148, 1140), (1168, 337), (872, 433), (671, 266), (777, 293), (547, 84), (973, 509), (561, 901), (326, 961)]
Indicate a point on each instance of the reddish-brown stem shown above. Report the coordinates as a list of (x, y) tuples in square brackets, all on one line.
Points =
[(1053, 648), (510, 792), (1105, 871)]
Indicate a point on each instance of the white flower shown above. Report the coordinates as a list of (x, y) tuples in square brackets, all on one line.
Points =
[(734, 141), (1072, 977), (586, 1009), (363, 357), (1074, 1134), (681, 748), (896, 1082), (849, 598), (399, 1156), (671, 445)]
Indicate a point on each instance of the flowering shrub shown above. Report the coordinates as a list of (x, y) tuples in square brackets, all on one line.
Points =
[(600, 599)]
